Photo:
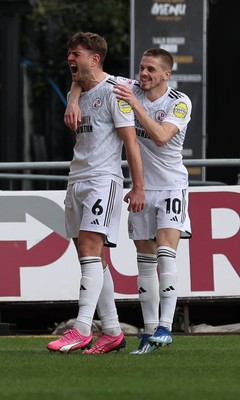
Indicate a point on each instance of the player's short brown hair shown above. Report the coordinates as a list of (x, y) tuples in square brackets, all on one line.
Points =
[(165, 57), (90, 41)]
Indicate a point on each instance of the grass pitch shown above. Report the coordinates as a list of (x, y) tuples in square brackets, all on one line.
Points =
[(193, 367)]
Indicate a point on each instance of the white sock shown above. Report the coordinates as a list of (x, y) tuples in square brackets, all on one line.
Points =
[(106, 307), (90, 288), (148, 289), (168, 288)]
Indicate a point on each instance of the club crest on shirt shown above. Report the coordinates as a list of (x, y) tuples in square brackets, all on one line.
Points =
[(97, 103), (160, 115), (180, 110), (124, 107)]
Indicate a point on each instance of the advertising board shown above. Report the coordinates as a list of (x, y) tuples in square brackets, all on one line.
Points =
[(38, 263)]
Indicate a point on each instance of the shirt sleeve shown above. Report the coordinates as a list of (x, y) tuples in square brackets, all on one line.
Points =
[(179, 113), (121, 111)]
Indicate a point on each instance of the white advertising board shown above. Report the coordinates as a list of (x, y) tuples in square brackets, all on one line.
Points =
[(38, 263)]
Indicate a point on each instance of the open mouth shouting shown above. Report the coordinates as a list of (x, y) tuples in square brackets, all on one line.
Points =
[(73, 68)]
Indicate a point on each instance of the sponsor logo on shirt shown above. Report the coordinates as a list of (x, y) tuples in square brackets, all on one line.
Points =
[(180, 110), (85, 125), (124, 107)]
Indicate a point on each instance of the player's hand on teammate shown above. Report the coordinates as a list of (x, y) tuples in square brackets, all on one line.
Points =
[(135, 199), (125, 93)]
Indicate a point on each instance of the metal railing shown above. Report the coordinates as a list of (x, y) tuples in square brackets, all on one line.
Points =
[(64, 165)]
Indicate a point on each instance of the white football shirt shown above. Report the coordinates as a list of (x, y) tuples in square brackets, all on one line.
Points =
[(98, 148), (163, 166)]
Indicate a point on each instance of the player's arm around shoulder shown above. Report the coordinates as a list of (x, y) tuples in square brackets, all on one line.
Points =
[(72, 113), (159, 133)]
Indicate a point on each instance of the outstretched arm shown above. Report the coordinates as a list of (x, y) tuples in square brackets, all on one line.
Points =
[(72, 113)]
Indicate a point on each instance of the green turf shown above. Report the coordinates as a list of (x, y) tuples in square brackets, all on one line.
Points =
[(193, 367)]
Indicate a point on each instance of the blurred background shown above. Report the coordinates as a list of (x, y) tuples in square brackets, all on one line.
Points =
[(34, 76)]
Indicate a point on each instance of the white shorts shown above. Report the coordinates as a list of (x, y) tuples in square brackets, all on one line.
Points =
[(163, 209), (94, 205)]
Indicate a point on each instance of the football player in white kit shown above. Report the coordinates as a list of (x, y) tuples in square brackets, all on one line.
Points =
[(162, 115), (95, 192)]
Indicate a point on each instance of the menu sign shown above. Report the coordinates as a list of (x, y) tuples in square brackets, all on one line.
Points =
[(178, 26)]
